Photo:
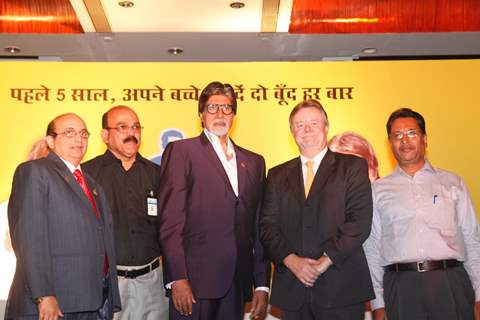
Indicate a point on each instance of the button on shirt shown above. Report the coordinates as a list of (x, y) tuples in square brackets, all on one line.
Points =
[(136, 234), (425, 217)]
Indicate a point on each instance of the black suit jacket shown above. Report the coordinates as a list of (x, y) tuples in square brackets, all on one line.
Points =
[(335, 219), (58, 241), (206, 232)]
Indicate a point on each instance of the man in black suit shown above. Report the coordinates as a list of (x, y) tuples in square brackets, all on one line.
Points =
[(62, 234), (316, 213)]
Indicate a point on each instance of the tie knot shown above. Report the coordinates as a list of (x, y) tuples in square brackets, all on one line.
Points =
[(78, 174), (309, 164)]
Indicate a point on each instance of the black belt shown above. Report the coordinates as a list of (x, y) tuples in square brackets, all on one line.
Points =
[(132, 274), (423, 266)]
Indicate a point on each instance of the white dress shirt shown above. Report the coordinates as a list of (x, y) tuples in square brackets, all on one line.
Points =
[(425, 217), (230, 166)]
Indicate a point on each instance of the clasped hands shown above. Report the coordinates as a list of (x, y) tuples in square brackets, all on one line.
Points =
[(307, 270)]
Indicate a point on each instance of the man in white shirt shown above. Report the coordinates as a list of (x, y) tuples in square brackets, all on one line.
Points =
[(424, 248), (209, 199), (316, 214)]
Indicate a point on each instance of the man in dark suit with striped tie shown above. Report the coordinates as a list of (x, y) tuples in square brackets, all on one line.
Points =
[(62, 234)]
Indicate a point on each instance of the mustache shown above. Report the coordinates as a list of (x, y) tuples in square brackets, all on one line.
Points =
[(130, 139), (223, 122), (406, 148)]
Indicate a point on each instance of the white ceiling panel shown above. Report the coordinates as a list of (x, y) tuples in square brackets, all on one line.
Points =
[(184, 16)]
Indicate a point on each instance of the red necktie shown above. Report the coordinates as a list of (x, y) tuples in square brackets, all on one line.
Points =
[(81, 181)]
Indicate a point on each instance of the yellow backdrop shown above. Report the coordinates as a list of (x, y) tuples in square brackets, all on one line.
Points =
[(358, 96)]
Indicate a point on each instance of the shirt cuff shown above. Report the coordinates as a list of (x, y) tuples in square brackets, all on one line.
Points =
[(377, 303), (266, 289), (169, 285)]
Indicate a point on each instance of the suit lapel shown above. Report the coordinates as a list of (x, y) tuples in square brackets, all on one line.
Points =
[(70, 180), (295, 179), (242, 170), (324, 171), (212, 158)]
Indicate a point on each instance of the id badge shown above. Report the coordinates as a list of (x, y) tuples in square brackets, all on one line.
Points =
[(152, 207), (151, 204)]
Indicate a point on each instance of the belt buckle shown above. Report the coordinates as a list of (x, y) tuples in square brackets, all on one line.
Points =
[(420, 266), (129, 274)]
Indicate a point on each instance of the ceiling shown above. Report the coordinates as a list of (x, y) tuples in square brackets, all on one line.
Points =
[(210, 30)]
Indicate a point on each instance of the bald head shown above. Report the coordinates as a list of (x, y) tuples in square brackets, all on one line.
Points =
[(113, 111), (122, 132)]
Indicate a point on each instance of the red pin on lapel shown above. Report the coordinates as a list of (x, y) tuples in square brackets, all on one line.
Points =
[(243, 165)]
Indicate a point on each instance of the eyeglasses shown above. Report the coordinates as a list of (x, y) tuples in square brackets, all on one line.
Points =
[(213, 108), (411, 134), (71, 133), (125, 128)]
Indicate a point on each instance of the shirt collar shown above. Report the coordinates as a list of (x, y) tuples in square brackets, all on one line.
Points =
[(427, 167), (110, 158), (214, 139), (316, 159), (70, 166)]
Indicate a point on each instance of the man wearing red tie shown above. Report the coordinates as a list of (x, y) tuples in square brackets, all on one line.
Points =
[(62, 234)]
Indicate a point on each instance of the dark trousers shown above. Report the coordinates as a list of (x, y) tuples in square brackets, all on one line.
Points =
[(432, 295), (310, 311), (228, 307)]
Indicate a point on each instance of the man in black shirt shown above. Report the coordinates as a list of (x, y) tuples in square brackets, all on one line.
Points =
[(130, 182)]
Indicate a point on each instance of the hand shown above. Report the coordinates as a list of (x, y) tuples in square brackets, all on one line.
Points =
[(379, 314), (259, 305), (305, 269), (476, 310), (324, 263), (48, 308), (182, 297)]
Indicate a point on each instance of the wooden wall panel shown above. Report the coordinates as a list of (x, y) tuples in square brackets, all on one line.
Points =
[(38, 16), (384, 16)]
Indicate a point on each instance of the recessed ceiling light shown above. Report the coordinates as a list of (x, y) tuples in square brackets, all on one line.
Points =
[(369, 50), (126, 4), (237, 5), (175, 51), (108, 38), (12, 49)]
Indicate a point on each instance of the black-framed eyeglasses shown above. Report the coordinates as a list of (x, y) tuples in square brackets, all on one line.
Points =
[(125, 128), (411, 134), (213, 108), (71, 133)]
